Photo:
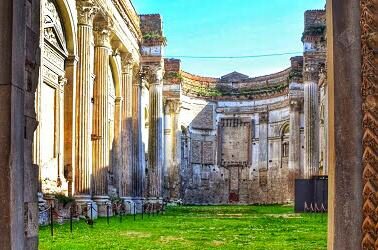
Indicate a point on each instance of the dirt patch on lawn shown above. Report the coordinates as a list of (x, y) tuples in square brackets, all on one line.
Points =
[(134, 234), (230, 215), (285, 216), (169, 239), (217, 243)]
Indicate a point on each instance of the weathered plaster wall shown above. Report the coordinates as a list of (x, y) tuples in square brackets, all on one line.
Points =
[(233, 152)]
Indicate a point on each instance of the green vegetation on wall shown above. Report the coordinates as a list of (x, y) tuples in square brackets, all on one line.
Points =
[(153, 37), (295, 75), (173, 76), (317, 30), (222, 90)]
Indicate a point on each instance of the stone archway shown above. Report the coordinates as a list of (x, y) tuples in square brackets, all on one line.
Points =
[(49, 137), (58, 45)]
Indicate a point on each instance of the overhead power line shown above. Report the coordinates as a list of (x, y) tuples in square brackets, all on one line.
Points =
[(234, 57)]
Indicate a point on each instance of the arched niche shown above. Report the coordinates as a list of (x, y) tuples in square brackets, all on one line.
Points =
[(284, 134), (66, 12), (54, 100)]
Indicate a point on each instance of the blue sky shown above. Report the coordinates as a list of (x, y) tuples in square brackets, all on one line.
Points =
[(231, 28)]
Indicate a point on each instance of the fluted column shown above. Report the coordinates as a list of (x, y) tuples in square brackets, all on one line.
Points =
[(323, 125), (86, 12), (115, 145), (101, 130), (137, 171), (311, 155), (295, 139), (172, 150), (295, 170), (125, 188), (168, 134), (155, 135)]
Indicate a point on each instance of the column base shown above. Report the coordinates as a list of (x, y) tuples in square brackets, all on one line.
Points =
[(104, 206), (153, 204), (133, 204), (82, 198), (155, 200), (129, 204), (139, 203), (86, 207)]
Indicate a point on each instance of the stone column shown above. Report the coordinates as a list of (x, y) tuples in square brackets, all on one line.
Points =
[(295, 139), (125, 174), (311, 118), (351, 219), (70, 120), (116, 156), (323, 125), (172, 150), (263, 148), (83, 171), (263, 140), (137, 164), (168, 147), (101, 130), (155, 136)]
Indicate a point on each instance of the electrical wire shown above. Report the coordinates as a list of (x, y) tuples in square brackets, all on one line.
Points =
[(232, 57)]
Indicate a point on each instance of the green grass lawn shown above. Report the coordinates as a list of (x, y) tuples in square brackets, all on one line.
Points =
[(197, 227)]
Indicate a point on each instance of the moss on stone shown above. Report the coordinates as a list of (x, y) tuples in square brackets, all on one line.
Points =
[(153, 37), (224, 91)]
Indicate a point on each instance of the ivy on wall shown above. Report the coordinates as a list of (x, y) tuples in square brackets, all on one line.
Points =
[(317, 30), (154, 37), (224, 91)]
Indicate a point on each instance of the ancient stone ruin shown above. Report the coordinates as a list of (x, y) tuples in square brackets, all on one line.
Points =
[(92, 110)]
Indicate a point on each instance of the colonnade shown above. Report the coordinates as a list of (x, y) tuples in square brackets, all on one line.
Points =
[(103, 165)]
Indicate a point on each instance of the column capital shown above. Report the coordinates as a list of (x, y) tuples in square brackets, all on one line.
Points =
[(126, 62), (102, 32), (141, 72), (154, 73), (86, 10), (136, 69), (172, 106), (311, 72)]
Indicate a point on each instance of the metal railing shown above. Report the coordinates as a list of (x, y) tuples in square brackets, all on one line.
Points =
[(151, 209)]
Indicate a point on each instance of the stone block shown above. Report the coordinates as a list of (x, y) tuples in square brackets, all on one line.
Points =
[(196, 152), (204, 119), (208, 152)]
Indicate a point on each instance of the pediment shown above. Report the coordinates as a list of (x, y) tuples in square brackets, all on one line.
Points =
[(234, 77), (53, 29)]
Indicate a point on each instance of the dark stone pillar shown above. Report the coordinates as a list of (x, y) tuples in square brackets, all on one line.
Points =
[(137, 153), (345, 125), (19, 65)]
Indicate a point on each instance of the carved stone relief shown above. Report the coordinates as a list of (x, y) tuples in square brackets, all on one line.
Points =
[(369, 38)]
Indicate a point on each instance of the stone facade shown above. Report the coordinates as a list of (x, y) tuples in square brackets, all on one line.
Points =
[(129, 124), (245, 140), (92, 81), (315, 90), (235, 138), (98, 99)]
